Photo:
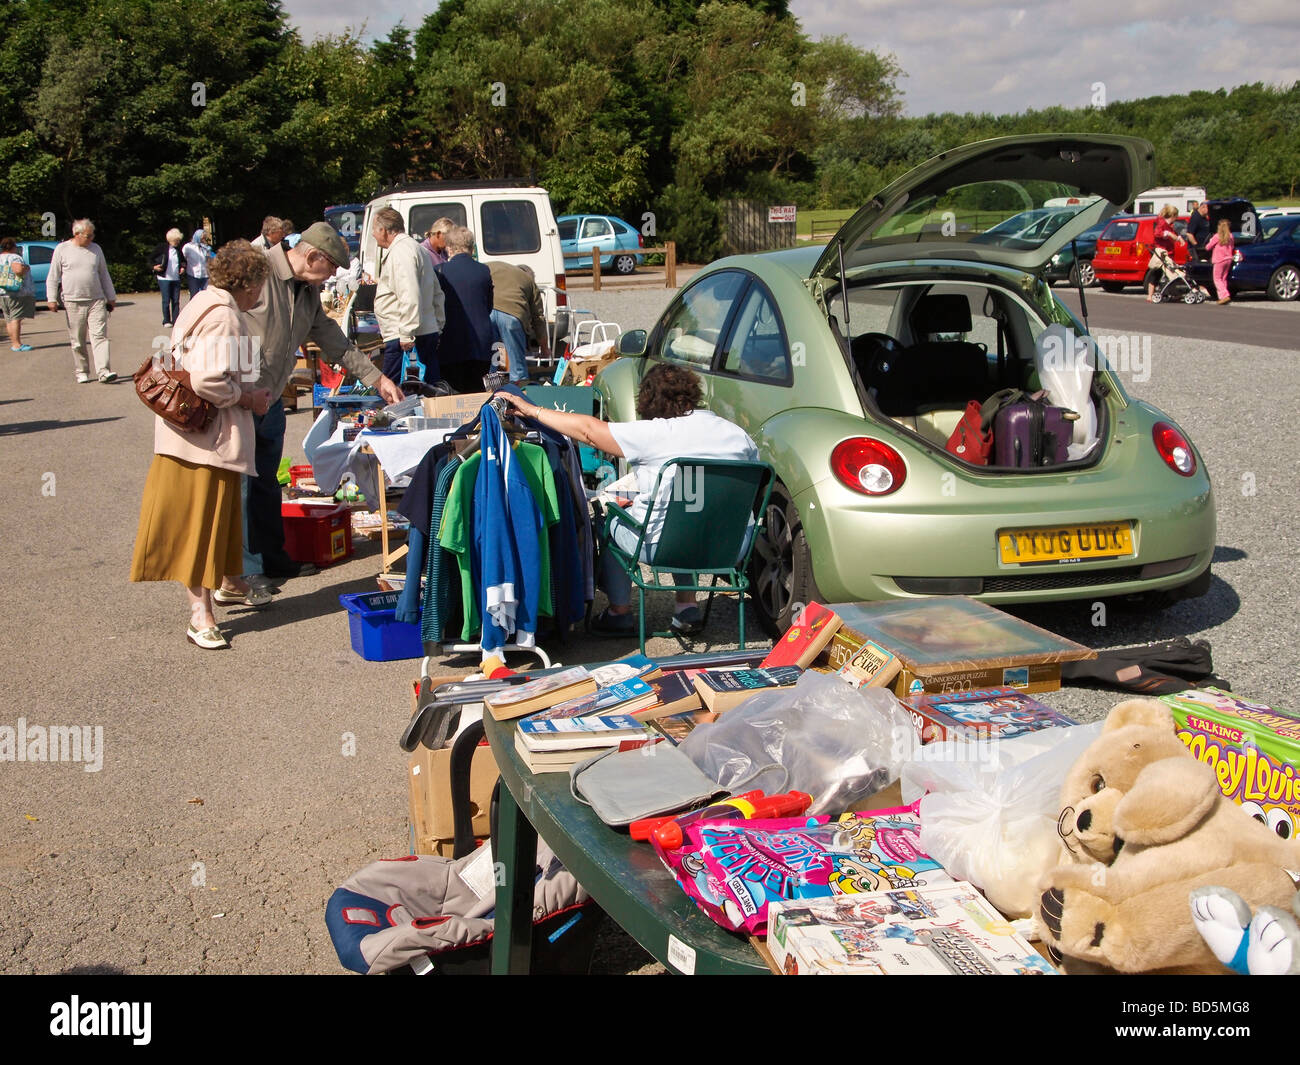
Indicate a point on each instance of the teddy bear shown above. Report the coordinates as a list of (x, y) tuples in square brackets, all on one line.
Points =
[(1142, 824)]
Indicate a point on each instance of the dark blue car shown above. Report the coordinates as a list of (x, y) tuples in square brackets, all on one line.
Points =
[(346, 218), (1270, 263)]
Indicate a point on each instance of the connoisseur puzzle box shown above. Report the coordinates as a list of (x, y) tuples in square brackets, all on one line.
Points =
[(1253, 749)]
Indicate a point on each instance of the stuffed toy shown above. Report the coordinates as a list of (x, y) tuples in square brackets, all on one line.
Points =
[(1266, 943), (1143, 823)]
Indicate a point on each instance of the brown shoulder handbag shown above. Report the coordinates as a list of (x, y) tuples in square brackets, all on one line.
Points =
[(168, 394)]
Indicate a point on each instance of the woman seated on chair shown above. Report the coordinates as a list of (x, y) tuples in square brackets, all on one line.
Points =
[(670, 426)]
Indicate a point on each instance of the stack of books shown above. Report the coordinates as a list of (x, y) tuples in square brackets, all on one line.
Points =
[(555, 745)]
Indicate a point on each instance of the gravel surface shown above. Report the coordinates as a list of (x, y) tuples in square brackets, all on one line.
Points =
[(289, 739)]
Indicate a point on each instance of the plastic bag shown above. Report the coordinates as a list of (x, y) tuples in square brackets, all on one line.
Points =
[(992, 806), (835, 742), (1065, 364)]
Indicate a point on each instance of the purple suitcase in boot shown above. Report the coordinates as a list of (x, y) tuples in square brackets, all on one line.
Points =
[(1030, 434)]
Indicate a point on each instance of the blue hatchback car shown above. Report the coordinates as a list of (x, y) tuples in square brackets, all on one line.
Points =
[(37, 254), (1270, 263), (616, 240)]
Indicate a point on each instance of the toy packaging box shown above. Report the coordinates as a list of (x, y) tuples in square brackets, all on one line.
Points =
[(1253, 749), (734, 870), (935, 930), (998, 713)]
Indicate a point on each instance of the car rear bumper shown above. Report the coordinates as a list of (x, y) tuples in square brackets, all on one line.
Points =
[(863, 552)]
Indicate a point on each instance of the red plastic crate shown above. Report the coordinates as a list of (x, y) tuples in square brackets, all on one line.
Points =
[(317, 532)]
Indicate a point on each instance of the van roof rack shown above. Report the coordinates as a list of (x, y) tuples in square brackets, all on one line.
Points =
[(450, 186)]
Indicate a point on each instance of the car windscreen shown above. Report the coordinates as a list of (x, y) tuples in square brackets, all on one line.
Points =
[(423, 215), (1126, 230), (510, 228), (568, 229)]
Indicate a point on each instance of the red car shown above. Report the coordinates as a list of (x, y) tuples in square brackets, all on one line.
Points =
[(1124, 249)]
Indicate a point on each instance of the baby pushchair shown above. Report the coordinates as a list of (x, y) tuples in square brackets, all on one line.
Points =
[(1174, 284)]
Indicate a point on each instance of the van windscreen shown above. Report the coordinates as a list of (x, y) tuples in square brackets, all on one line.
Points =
[(509, 228)]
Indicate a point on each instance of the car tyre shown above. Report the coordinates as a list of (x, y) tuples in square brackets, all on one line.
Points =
[(1112, 286), (624, 264), (1083, 274), (1284, 285), (780, 568)]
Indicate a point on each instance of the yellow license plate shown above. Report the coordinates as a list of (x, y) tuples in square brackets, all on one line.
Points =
[(1110, 251), (1066, 543)]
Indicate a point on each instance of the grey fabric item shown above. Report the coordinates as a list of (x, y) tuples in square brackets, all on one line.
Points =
[(625, 786), (429, 887)]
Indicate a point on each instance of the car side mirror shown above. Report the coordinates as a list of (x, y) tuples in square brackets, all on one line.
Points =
[(633, 342)]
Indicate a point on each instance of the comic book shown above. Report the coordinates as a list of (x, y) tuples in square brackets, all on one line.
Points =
[(931, 930)]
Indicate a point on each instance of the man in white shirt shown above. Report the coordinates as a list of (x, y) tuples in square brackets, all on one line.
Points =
[(79, 274), (409, 302), (273, 232)]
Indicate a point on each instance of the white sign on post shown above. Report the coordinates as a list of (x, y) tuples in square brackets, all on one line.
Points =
[(781, 214)]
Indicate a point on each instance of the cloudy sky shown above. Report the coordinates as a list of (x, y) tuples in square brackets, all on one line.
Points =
[(977, 55)]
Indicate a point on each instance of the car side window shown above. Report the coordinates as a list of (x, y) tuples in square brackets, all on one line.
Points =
[(39, 255), (423, 215), (757, 347), (509, 228), (594, 228), (692, 329)]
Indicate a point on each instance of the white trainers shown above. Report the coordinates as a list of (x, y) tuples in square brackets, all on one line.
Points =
[(83, 378), (107, 377)]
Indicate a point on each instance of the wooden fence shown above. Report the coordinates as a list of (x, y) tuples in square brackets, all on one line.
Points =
[(668, 251), (745, 228)]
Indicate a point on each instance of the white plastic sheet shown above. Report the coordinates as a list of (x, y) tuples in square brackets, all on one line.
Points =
[(990, 808), (1065, 364)]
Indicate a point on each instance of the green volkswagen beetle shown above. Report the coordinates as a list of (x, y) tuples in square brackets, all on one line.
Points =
[(852, 364)]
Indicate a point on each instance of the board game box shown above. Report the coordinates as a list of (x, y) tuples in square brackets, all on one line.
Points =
[(1253, 748), (1001, 713)]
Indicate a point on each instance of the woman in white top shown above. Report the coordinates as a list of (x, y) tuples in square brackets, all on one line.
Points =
[(197, 254), (169, 267)]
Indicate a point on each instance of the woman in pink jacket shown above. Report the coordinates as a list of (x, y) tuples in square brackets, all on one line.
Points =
[(190, 521), (1222, 249)]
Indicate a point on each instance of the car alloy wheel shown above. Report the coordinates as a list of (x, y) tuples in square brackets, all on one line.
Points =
[(780, 570), (1284, 284), (1083, 274), (624, 264)]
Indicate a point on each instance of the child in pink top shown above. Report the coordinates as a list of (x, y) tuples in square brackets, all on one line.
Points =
[(1221, 249)]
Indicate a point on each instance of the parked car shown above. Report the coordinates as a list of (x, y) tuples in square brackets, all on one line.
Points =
[(37, 254), (1032, 226), (604, 233), (851, 365), (347, 219), (1061, 266), (1270, 263), (1276, 212), (1124, 249)]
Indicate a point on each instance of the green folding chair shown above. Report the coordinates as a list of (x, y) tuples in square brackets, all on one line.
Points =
[(708, 515)]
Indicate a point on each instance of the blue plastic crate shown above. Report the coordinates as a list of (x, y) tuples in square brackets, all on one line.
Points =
[(376, 634)]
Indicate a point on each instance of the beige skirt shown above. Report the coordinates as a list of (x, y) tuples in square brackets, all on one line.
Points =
[(191, 525)]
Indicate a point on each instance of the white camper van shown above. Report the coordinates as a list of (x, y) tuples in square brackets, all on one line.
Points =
[(1181, 196), (512, 222)]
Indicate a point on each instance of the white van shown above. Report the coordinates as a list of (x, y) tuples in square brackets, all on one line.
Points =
[(512, 222), (1181, 196)]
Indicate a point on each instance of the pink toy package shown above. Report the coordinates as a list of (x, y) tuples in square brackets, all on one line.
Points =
[(733, 869)]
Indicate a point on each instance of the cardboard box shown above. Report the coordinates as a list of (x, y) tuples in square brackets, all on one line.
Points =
[(463, 406), (577, 369), (1044, 677), (429, 777), (1253, 749)]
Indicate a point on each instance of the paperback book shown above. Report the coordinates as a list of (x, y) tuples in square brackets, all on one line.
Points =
[(624, 697), (806, 638), (721, 689), (540, 693)]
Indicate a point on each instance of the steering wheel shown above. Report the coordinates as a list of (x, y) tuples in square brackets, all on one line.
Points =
[(872, 353)]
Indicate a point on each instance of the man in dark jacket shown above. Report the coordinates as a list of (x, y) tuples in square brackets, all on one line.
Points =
[(465, 351)]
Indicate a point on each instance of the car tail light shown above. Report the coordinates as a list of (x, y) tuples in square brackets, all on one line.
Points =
[(868, 466), (1174, 448), (1140, 249), (561, 296), (640, 239)]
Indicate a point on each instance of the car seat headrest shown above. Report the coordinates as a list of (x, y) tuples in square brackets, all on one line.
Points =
[(946, 313)]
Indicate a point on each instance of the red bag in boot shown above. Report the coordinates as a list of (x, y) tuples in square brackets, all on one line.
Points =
[(970, 441)]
